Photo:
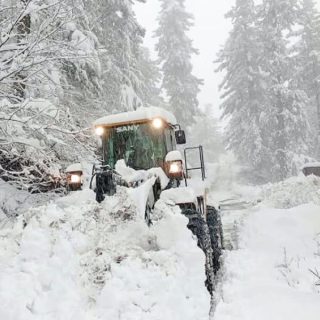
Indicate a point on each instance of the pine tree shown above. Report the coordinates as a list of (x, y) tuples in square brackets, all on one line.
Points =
[(120, 35), (307, 52), (283, 121), (175, 50), (150, 76), (206, 132), (242, 86), (267, 127)]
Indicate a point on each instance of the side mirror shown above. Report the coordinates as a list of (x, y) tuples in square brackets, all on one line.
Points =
[(180, 137)]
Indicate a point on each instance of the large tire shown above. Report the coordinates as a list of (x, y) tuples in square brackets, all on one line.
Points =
[(147, 215), (216, 236), (154, 196), (200, 229)]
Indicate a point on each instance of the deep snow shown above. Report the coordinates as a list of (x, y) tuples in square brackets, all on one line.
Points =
[(269, 276), (76, 259)]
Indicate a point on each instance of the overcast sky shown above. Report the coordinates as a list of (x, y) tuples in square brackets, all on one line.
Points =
[(209, 33)]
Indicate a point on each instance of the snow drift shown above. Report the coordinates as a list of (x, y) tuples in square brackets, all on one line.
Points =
[(274, 274), (270, 276), (76, 259), (293, 192)]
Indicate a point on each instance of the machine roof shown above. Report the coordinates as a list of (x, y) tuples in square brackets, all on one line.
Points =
[(138, 115)]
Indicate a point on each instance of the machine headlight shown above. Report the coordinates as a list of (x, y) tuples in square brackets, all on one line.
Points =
[(99, 131), (175, 167), (157, 123), (75, 178)]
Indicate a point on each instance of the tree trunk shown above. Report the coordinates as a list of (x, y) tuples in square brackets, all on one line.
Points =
[(23, 30), (281, 142), (318, 122)]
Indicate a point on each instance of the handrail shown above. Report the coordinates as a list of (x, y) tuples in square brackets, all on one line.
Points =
[(202, 168)]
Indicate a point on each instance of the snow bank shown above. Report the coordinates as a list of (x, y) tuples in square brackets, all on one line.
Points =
[(14, 202), (76, 259), (270, 276), (292, 192)]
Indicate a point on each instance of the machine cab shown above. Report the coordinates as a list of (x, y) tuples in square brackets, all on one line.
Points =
[(142, 138)]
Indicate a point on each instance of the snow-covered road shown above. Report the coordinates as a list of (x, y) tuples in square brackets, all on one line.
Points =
[(272, 274)]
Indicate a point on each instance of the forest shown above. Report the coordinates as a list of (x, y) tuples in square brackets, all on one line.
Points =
[(137, 185), (65, 63)]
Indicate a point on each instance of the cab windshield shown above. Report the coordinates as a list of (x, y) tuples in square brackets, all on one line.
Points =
[(141, 146)]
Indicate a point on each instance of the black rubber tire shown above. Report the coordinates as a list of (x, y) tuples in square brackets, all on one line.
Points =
[(199, 228), (216, 236), (147, 215)]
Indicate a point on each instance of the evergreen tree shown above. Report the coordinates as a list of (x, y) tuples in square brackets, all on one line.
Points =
[(267, 127), (307, 52), (175, 50), (150, 76), (206, 132), (283, 121), (64, 63), (242, 86), (120, 35)]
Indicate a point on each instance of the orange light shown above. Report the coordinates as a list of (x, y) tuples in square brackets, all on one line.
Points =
[(99, 131), (75, 178), (175, 167), (157, 123)]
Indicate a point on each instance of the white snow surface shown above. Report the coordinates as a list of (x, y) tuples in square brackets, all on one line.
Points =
[(131, 175), (312, 165), (270, 275), (179, 195), (74, 167), (174, 156), (141, 113), (76, 259), (292, 192)]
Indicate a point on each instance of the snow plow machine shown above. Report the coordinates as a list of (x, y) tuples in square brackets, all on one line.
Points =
[(139, 148)]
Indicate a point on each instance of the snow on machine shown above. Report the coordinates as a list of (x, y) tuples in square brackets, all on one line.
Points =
[(139, 151)]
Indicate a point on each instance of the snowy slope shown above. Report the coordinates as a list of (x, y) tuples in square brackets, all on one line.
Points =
[(272, 275), (76, 259)]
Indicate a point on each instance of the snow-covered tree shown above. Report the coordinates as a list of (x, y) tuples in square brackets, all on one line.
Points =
[(150, 76), (307, 51), (120, 35), (242, 85), (37, 126), (63, 64), (283, 120), (206, 132), (175, 51), (265, 106)]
